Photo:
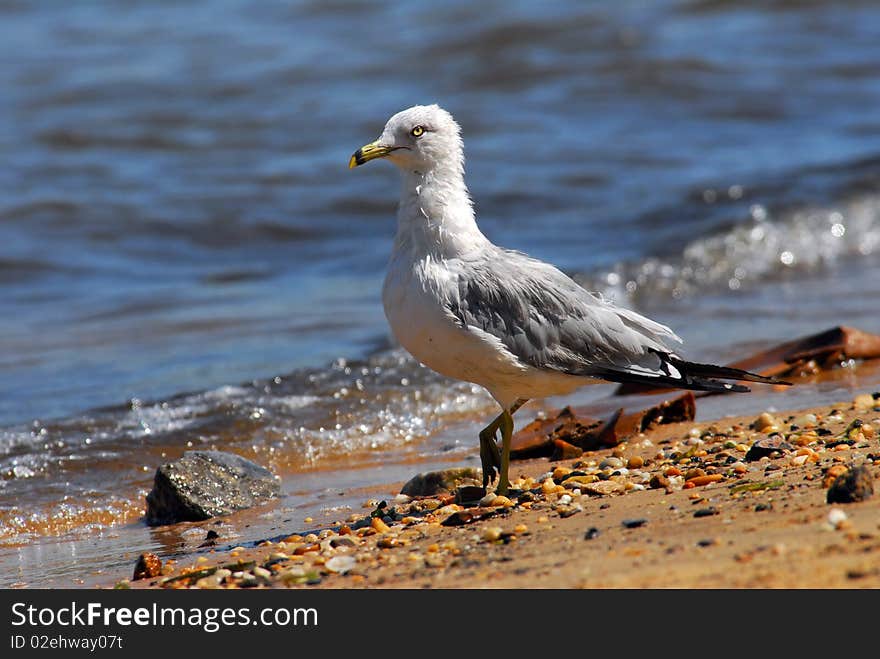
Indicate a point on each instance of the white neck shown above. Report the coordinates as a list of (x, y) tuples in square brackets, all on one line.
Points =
[(435, 215)]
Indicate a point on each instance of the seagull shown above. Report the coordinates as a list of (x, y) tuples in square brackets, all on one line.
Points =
[(474, 311)]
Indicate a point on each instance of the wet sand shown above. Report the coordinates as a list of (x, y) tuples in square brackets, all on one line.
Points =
[(685, 509)]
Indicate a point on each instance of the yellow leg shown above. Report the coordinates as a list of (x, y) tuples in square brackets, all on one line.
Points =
[(506, 434), (490, 457)]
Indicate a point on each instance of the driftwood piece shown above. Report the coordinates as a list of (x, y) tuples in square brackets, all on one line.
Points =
[(554, 435)]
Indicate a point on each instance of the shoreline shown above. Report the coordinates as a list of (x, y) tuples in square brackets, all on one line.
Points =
[(678, 506)]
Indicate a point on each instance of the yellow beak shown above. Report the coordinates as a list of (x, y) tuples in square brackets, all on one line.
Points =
[(367, 153)]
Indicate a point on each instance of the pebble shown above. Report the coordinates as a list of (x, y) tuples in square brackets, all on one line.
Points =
[(560, 473), (705, 479), (578, 481), (341, 564), (379, 526), (864, 402), (502, 500), (148, 566), (568, 511), (278, 556), (492, 533), (208, 583), (548, 486), (612, 462), (592, 533), (343, 541), (764, 423), (520, 529), (604, 488), (805, 421), (836, 517), (564, 500), (247, 580), (488, 500), (635, 462), (706, 512), (634, 523), (659, 481), (261, 572)]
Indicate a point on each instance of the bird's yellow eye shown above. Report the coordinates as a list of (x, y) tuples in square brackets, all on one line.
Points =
[(417, 131)]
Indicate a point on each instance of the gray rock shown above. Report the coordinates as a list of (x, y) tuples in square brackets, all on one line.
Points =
[(440, 482), (204, 484), (856, 484)]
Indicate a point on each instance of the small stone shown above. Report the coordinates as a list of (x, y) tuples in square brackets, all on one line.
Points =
[(568, 511), (379, 526), (343, 541), (148, 566), (763, 506), (560, 473), (693, 473), (864, 402), (836, 518), (573, 482), (341, 564), (856, 484), (208, 583), (469, 494), (592, 533), (611, 462), (248, 580), (604, 488), (634, 523), (635, 462), (446, 481), (261, 572), (805, 421), (706, 512), (520, 529), (832, 473), (763, 422), (659, 481), (502, 501), (492, 533), (488, 500)]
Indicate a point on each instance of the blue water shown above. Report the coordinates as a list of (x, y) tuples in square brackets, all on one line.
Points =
[(177, 215)]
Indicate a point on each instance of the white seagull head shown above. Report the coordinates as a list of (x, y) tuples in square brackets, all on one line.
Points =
[(422, 138)]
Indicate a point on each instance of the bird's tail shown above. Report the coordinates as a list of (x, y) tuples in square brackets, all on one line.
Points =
[(680, 374)]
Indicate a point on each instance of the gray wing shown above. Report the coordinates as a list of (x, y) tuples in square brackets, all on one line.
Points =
[(548, 321)]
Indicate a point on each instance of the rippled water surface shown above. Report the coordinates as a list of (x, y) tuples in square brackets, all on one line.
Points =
[(185, 259)]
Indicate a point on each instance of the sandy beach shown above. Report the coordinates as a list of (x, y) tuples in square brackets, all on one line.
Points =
[(685, 505)]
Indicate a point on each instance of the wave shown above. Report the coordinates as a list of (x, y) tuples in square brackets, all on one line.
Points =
[(767, 245)]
